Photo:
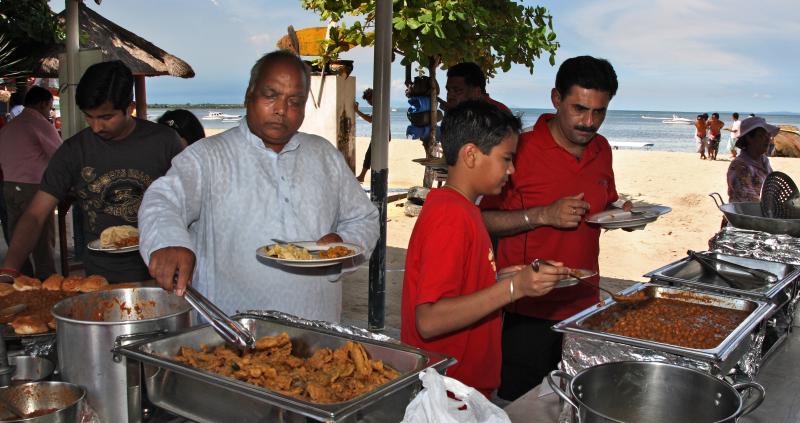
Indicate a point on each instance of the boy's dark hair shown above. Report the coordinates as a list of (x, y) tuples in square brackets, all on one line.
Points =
[(715, 115), (185, 123), (471, 72), (37, 95), (705, 115), (586, 72), (476, 122), (735, 115), (106, 81)]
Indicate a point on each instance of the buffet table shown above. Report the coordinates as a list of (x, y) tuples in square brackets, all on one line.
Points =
[(779, 376)]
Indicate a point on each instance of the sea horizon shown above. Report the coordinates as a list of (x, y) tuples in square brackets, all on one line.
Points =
[(628, 126)]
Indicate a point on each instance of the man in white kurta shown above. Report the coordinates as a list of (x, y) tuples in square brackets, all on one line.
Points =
[(227, 195)]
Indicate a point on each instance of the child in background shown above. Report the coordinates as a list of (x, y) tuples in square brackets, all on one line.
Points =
[(451, 296)]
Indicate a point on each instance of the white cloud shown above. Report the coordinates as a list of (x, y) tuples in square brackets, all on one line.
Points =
[(260, 39), (215, 2)]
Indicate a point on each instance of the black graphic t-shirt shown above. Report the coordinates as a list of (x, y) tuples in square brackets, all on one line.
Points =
[(109, 178)]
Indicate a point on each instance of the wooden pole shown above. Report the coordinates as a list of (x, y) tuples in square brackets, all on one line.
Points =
[(140, 93)]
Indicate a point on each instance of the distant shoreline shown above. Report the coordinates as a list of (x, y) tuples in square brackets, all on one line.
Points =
[(195, 106)]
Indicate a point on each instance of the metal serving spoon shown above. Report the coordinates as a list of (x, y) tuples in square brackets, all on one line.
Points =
[(636, 297)]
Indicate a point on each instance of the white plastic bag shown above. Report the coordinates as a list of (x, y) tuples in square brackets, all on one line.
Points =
[(432, 405)]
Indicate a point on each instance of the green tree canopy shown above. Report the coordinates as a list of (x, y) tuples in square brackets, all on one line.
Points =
[(26, 25), (493, 33)]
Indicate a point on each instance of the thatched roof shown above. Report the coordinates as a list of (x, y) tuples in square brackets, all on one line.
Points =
[(115, 43)]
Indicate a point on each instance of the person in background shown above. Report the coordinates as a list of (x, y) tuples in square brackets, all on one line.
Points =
[(734, 132), (185, 123), (234, 192), (451, 293), (700, 135), (367, 96), (26, 145), (747, 172), (714, 135), (107, 167), (466, 81), (563, 173), (15, 105)]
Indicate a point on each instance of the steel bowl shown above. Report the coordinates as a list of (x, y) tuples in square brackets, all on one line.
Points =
[(749, 216), (30, 369), (56, 402)]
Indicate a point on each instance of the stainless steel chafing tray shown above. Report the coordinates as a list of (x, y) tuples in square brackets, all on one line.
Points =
[(719, 359), (206, 397), (688, 272)]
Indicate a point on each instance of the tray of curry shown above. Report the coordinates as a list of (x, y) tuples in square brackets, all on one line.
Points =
[(192, 374), (704, 326)]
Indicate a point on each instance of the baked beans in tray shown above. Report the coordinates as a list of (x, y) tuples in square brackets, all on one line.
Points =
[(672, 319)]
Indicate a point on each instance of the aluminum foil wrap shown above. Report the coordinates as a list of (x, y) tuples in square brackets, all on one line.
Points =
[(39, 346), (343, 329), (756, 244), (580, 352)]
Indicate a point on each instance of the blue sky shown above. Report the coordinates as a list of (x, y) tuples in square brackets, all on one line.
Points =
[(686, 55)]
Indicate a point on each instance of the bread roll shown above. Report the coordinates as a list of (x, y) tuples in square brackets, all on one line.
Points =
[(27, 325), (71, 283), (92, 283), (5, 289), (53, 282), (24, 283), (118, 236)]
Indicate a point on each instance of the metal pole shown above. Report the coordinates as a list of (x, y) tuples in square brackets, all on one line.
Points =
[(73, 67), (381, 79), (141, 97)]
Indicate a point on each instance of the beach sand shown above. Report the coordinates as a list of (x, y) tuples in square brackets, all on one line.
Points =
[(678, 180)]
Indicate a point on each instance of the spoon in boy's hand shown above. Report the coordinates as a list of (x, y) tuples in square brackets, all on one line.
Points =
[(638, 296)]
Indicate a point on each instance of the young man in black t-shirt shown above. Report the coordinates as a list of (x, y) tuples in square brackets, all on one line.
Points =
[(106, 167)]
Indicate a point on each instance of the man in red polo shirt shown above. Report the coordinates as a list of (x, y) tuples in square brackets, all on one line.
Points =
[(563, 174)]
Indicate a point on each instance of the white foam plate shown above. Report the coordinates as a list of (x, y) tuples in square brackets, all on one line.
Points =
[(312, 248)]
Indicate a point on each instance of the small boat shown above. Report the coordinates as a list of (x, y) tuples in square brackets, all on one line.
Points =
[(678, 120), (222, 116)]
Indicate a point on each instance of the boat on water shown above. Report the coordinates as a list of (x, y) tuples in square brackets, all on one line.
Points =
[(678, 120), (222, 116)]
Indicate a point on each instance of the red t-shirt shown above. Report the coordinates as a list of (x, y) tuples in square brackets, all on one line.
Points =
[(450, 255), (544, 173), (497, 103)]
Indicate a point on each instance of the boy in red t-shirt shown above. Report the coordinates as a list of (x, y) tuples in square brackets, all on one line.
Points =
[(451, 293)]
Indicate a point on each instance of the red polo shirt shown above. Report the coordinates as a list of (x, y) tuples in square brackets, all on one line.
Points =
[(450, 255), (544, 173)]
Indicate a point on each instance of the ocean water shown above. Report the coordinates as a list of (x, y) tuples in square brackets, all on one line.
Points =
[(620, 125)]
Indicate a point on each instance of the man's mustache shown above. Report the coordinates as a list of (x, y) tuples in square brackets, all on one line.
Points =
[(586, 128)]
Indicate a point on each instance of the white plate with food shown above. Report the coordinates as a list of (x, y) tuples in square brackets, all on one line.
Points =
[(95, 246), (117, 239), (618, 218), (309, 254), (563, 283)]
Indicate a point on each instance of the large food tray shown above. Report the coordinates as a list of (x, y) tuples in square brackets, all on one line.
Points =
[(719, 359), (206, 397), (688, 272)]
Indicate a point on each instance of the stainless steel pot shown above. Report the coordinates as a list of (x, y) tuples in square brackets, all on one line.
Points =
[(640, 391), (63, 400), (89, 326), (30, 369)]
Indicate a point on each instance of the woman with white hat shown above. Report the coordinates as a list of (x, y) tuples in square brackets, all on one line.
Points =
[(749, 169)]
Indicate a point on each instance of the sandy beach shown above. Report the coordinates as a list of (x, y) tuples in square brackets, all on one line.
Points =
[(678, 180)]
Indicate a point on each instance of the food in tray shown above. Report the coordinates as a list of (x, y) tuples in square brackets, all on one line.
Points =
[(288, 252), (39, 303), (24, 283), (53, 282), (335, 252), (119, 237), (328, 376), (670, 321), (40, 297)]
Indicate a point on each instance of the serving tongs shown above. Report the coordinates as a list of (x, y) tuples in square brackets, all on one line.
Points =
[(710, 263), (231, 331)]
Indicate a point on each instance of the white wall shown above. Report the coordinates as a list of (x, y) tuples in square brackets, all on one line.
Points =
[(330, 113)]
